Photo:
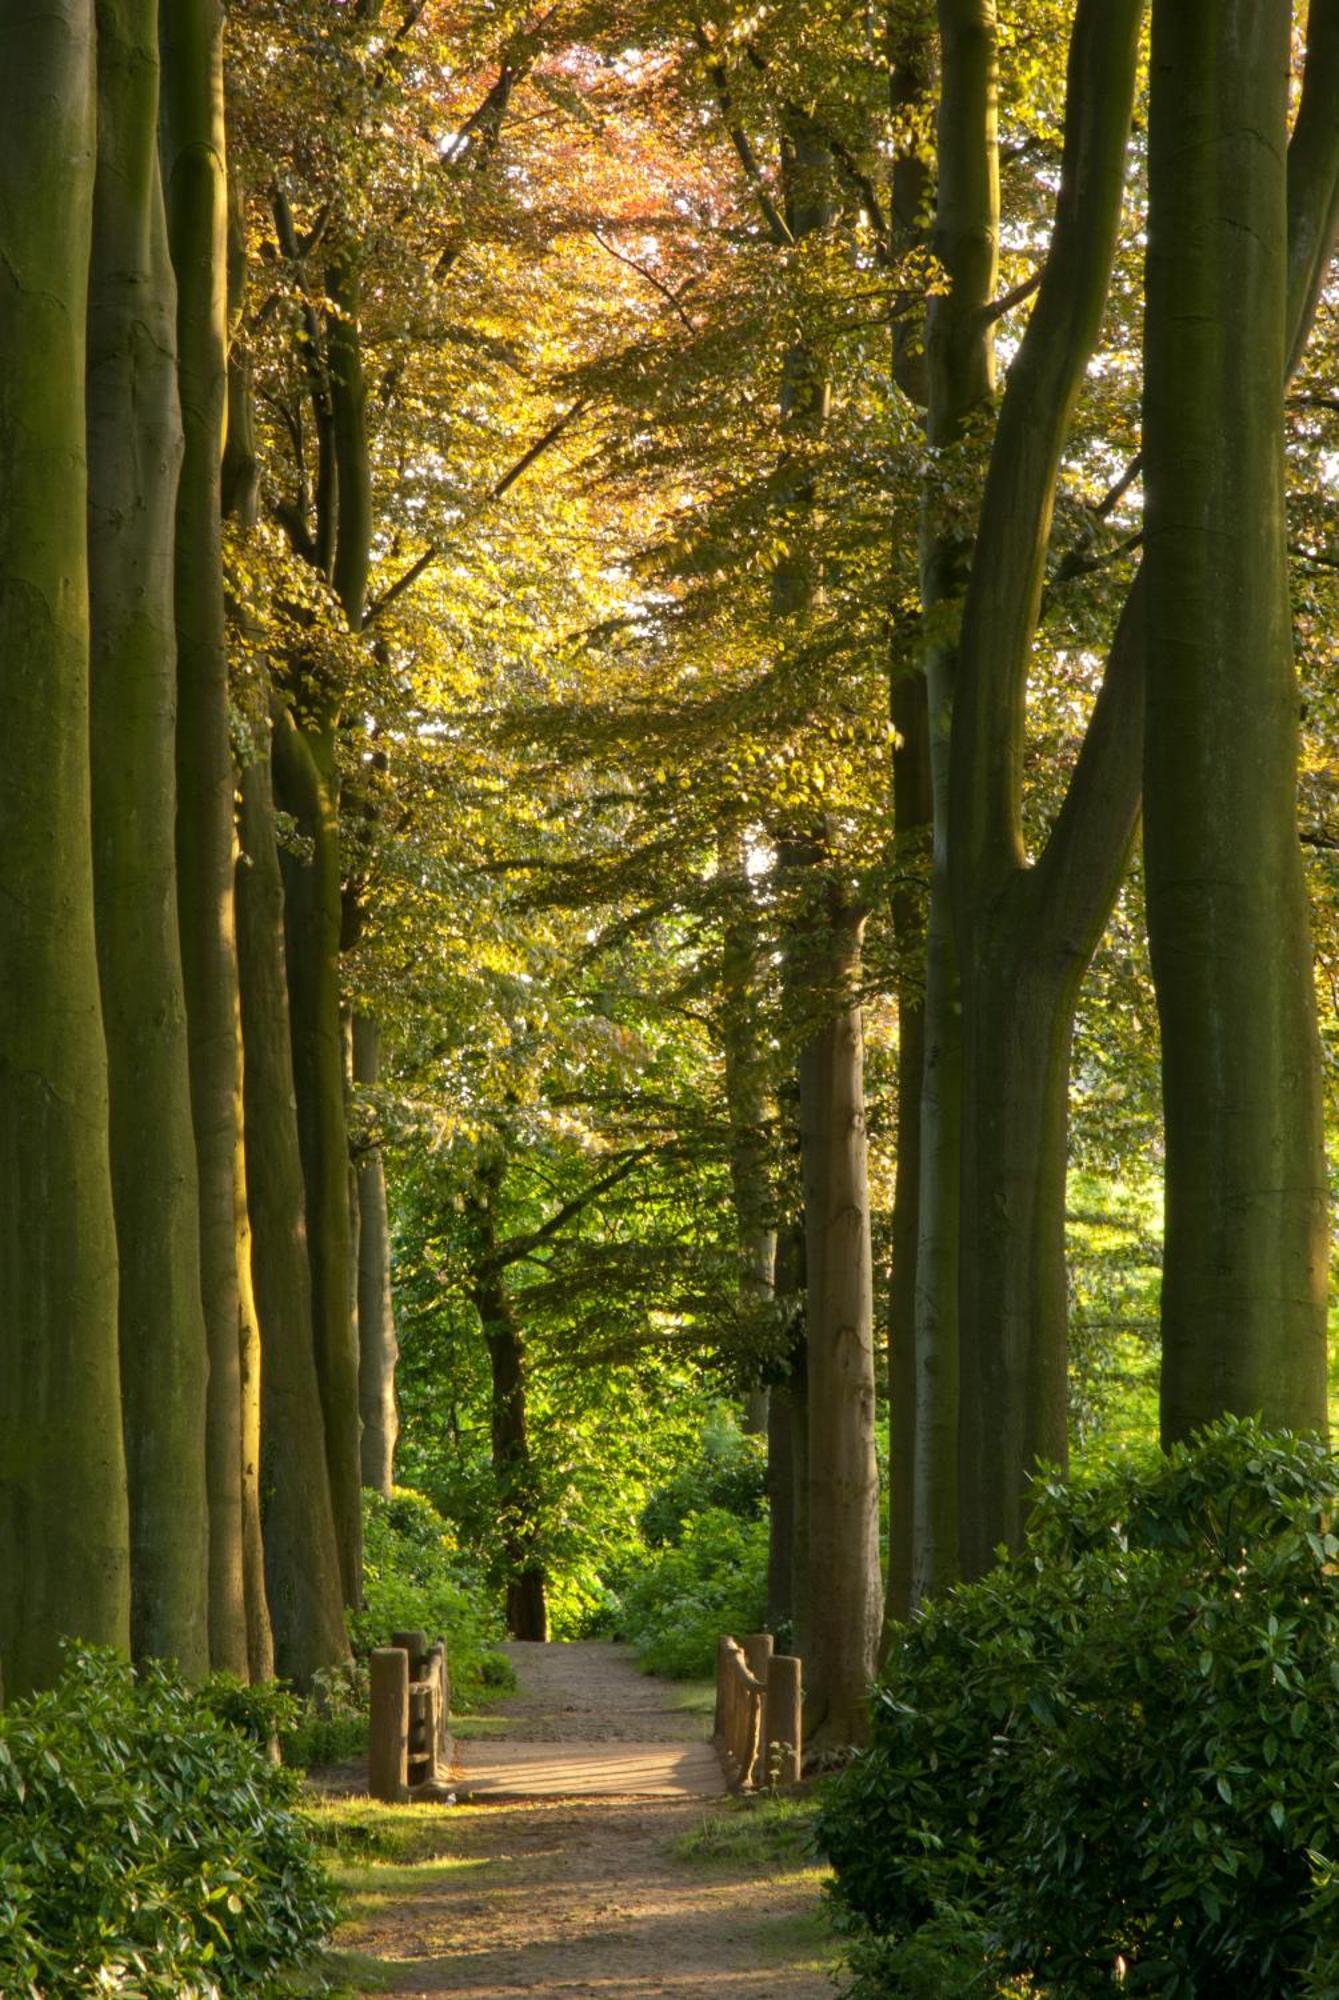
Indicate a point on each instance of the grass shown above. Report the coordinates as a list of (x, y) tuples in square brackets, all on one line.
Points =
[(772, 1833), (695, 1697), (376, 1855), (359, 1831), (340, 1975)]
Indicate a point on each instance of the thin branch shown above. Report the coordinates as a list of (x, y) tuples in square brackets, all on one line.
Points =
[(776, 222), (656, 283), (1313, 556), (495, 492), (541, 445), (1016, 297), (401, 584), (517, 1247)]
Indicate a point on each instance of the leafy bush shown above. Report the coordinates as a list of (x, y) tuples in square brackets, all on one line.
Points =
[(414, 1579), (730, 1473), (1113, 1764), (679, 1600), (147, 1845)]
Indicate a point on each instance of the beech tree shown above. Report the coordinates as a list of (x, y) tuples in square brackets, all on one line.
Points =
[(194, 178), (1228, 299), (134, 456), (63, 1516)]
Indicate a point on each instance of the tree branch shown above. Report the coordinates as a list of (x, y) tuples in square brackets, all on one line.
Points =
[(495, 492), (777, 225), (517, 1247)]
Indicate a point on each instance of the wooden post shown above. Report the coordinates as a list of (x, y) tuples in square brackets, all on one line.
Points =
[(388, 1744), (416, 1645), (718, 1727), (782, 1721), (438, 1675), (757, 1654), (733, 1702)]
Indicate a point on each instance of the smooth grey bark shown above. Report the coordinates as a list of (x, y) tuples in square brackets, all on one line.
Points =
[(513, 1465), (746, 1098), (64, 1548), (960, 385), (240, 496), (911, 69), (839, 1462), (378, 1348), (1245, 1258), (843, 1487), (134, 458), (194, 180), (306, 785), (302, 1567), (1025, 934)]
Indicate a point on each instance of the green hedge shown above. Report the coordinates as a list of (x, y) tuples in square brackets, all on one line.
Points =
[(147, 1845), (415, 1579), (676, 1603), (1112, 1766)]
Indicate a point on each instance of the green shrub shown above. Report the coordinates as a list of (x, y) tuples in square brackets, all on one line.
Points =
[(414, 1579), (730, 1473), (1113, 1764), (677, 1602), (147, 1846)]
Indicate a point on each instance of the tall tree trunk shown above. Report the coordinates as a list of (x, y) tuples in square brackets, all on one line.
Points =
[(788, 1484), (377, 1345), (960, 355), (746, 1099), (1244, 1275), (306, 785), (194, 179), (910, 52), (1025, 935), (134, 456), (780, 1510), (240, 493), (301, 1553), (64, 1565), (527, 1606), (912, 808), (841, 1468), (843, 1550), (513, 1467)]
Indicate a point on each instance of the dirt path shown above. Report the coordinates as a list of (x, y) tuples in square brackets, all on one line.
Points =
[(584, 1897), (585, 1722)]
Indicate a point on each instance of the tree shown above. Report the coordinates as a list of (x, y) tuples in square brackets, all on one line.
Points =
[(1245, 1271), (63, 1518), (194, 180), (134, 456)]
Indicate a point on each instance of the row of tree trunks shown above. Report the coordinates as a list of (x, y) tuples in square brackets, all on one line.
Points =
[(128, 1265)]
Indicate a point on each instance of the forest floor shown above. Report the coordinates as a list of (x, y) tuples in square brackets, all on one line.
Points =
[(592, 1857)]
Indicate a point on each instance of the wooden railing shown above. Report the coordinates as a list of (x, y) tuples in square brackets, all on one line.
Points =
[(409, 1749), (758, 1706)]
